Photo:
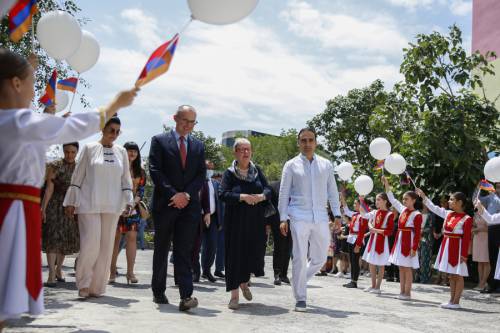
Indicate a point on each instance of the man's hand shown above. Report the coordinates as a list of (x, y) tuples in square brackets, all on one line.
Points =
[(179, 201), (284, 228), (206, 220)]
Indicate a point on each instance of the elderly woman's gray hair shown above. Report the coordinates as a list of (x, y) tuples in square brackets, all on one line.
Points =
[(240, 141)]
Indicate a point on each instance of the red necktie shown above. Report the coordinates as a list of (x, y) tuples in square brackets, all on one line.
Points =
[(182, 149)]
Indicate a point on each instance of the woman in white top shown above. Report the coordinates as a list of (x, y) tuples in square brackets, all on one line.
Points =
[(28, 135), (490, 219), (100, 191)]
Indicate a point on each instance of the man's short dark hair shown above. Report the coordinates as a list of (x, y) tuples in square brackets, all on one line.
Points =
[(307, 129)]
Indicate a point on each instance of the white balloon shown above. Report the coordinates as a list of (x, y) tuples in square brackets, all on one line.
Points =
[(345, 170), (221, 11), (62, 100), (395, 164), (492, 170), (87, 54), (59, 34), (380, 148), (363, 185)]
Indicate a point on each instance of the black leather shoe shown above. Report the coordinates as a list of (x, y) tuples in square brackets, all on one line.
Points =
[(351, 284), (321, 273), (208, 276), (188, 303), (219, 274), (160, 299), (486, 290), (285, 279), (277, 280)]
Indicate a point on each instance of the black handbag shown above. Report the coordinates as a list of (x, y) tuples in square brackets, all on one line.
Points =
[(269, 209)]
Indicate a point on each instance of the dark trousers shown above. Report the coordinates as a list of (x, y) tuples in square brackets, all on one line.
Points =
[(219, 256), (493, 244), (354, 259), (209, 244), (180, 226), (282, 249)]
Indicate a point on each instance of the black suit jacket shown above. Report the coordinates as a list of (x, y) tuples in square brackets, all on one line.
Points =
[(166, 170)]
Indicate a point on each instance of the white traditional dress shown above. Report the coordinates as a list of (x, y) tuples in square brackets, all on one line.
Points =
[(377, 249), (493, 219), (407, 235), (457, 230), (25, 136)]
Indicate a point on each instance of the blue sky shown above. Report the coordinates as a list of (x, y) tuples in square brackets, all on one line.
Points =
[(273, 70)]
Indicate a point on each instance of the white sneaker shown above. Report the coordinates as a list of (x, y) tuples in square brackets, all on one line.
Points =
[(368, 289), (454, 306), (339, 274), (367, 274), (444, 305), (404, 297), (347, 276), (376, 291)]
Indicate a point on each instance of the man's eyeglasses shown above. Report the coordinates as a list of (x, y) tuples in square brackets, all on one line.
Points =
[(190, 122), (243, 150)]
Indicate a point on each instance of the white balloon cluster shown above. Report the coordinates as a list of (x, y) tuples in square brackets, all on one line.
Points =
[(62, 38)]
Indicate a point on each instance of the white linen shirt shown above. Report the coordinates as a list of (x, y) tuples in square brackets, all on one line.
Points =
[(25, 136), (101, 182), (306, 187)]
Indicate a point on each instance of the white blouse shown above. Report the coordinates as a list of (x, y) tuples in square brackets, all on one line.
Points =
[(101, 182), (25, 136)]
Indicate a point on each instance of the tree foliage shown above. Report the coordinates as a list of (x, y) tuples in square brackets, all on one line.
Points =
[(432, 117), (46, 64)]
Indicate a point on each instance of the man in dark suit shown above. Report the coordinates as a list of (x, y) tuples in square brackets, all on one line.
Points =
[(177, 168), (212, 215), (282, 244)]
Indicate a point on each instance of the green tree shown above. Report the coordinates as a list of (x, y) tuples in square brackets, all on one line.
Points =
[(46, 64), (453, 126)]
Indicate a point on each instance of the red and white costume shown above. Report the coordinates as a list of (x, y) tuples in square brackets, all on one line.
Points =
[(377, 249), (25, 136), (357, 227), (493, 219), (407, 235), (457, 230)]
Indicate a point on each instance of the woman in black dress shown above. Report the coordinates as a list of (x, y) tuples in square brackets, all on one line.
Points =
[(244, 190)]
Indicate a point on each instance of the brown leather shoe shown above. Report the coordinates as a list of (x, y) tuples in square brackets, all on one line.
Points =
[(188, 303)]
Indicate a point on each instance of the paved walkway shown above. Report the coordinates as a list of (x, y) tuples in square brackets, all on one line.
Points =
[(332, 308)]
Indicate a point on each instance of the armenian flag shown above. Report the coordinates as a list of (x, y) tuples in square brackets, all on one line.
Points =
[(20, 17), (380, 165), (159, 62), (68, 84), (50, 91), (363, 204), (486, 186)]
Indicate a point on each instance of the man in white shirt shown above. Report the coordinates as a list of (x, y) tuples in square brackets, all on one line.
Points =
[(307, 184)]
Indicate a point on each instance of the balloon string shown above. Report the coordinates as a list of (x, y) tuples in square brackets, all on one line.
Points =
[(186, 25), (74, 93)]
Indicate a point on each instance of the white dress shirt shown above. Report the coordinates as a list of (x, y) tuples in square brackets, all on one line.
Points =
[(101, 182), (211, 196), (306, 187)]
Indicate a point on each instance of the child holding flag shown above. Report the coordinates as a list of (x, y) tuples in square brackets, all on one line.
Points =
[(404, 252), (377, 251), (452, 256), (23, 159), (357, 228)]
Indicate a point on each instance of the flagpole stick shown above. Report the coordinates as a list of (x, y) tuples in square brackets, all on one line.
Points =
[(74, 93), (186, 25), (32, 35)]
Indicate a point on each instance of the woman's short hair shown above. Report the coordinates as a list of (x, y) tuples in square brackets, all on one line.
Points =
[(240, 141), (74, 144)]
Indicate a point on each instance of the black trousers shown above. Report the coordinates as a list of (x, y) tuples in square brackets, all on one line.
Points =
[(209, 244), (493, 244), (181, 226), (282, 249), (354, 258)]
